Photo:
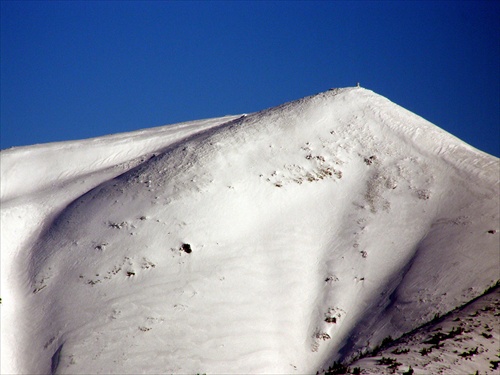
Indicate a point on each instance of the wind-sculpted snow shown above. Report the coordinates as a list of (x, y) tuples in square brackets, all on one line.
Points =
[(275, 242)]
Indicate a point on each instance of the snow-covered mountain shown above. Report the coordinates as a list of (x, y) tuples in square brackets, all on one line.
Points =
[(274, 242)]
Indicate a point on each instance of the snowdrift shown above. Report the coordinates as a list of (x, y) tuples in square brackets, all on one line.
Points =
[(274, 242)]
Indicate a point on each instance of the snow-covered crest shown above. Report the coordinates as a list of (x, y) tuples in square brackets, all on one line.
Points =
[(315, 229)]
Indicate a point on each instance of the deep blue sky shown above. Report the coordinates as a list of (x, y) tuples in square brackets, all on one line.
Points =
[(72, 70)]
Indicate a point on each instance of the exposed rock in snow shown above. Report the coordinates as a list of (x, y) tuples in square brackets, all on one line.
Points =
[(276, 242)]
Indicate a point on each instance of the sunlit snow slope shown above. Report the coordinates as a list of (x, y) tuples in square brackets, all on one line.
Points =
[(315, 229)]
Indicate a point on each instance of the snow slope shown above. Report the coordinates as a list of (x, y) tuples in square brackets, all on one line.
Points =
[(315, 229), (464, 341)]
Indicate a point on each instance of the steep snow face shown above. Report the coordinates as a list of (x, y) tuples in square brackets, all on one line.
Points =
[(315, 229)]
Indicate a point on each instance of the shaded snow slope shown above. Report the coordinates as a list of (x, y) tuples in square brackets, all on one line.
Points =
[(315, 229), (465, 340)]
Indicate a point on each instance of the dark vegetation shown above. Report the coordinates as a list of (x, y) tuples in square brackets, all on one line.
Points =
[(438, 337), (339, 368), (470, 353), (400, 351), (494, 364), (392, 363)]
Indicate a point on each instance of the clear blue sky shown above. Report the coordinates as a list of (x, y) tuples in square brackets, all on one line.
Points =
[(72, 70)]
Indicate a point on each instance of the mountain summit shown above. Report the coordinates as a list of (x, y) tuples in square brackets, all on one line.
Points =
[(273, 242)]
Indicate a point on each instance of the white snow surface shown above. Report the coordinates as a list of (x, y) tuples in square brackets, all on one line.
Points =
[(317, 228)]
